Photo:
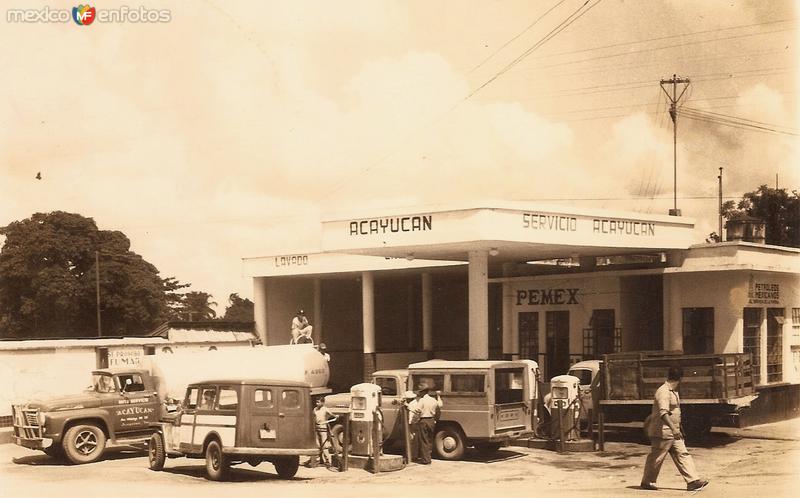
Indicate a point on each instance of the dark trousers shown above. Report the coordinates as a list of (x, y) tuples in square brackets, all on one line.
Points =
[(426, 426), (414, 431)]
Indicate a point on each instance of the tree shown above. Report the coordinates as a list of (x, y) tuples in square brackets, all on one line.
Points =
[(197, 305), (779, 210), (48, 274), (239, 310), (175, 305)]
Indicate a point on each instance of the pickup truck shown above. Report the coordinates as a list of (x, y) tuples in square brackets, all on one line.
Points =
[(119, 409), (486, 403), (714, 389)]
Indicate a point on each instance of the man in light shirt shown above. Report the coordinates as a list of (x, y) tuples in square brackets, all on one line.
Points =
[(428, 406), (664, 429)]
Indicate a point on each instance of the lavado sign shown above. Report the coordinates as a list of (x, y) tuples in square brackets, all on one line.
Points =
[(547, 296)]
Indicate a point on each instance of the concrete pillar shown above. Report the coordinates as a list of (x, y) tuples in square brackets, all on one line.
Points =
[(260, 307), (673, 323), (411, 294), (762, 346), (478, 305), (508, 344), (368, 322), (317, 323), (427, 312), (508, 325)]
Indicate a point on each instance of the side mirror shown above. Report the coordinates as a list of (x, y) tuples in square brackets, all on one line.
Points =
[(128, 382)]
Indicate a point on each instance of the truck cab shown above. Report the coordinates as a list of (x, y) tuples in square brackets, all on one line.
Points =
[(118, 408), (239, 420), (485, 403)]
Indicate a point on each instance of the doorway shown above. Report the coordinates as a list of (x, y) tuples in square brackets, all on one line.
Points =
[(698, 330), (557, 329)]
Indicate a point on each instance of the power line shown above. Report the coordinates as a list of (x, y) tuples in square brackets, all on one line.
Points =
[(574, 16), (660, 38), (512, 40), (666, 47), (732, 121), (737, 118)]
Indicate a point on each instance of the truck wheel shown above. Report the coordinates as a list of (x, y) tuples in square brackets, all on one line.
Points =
[(84, 443), (449, 443), (487, 449), (156, 453), (287, 466), (217, 464), (337, 437)]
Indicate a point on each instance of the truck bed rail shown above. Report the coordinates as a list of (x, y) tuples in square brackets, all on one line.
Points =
[(637, 375)]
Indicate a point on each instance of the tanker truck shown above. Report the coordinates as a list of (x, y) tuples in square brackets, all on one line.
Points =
[(122, 405)]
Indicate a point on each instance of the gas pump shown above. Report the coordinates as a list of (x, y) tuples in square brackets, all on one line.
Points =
[(566, 411), (366, 432)]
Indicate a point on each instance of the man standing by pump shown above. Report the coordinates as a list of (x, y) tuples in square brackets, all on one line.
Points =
[(429, 404)]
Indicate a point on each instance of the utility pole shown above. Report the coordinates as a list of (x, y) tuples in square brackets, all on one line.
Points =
[(719, 237), (673, 113), (97, 289)]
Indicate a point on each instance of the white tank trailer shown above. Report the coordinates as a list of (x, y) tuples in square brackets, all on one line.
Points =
[(300, 363)]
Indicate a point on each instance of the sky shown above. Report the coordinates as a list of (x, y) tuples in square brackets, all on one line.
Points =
[(231, 129)]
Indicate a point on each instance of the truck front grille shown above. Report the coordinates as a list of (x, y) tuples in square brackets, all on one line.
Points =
[(26, 422)]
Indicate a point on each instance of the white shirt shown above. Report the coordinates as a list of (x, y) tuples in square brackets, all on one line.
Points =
[(427, 406)]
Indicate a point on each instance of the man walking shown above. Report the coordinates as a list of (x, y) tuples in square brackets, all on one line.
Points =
[(663, 426)]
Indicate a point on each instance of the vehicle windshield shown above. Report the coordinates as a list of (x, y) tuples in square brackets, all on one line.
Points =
[(103, 383), (585, 376)]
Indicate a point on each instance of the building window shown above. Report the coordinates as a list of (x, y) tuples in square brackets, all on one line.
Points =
[(601, 337), (698, 330), (752, 340), (796, 326), (775, 344), (529, 335)]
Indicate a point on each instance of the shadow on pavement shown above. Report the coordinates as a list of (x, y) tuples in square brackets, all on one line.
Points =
[(500, 455), (638, 488), (236, 474), (40, 459), (635, 435)]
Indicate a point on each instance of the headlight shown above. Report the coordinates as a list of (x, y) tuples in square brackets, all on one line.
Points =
[(41, 418)]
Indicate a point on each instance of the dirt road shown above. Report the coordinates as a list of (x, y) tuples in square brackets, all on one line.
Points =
[(759, 462)]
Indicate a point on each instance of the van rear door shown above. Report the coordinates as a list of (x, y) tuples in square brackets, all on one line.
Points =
[(260, 417), (511, 409)]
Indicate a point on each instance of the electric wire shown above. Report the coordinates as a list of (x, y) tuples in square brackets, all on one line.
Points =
[(732, 121), (574, 16), (666, 47), (668, 37), (512, 40)]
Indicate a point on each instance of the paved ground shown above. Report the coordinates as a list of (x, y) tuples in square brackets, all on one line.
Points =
[(758, 461)]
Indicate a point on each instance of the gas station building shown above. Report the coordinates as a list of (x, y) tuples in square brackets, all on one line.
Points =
[(524, 280)]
